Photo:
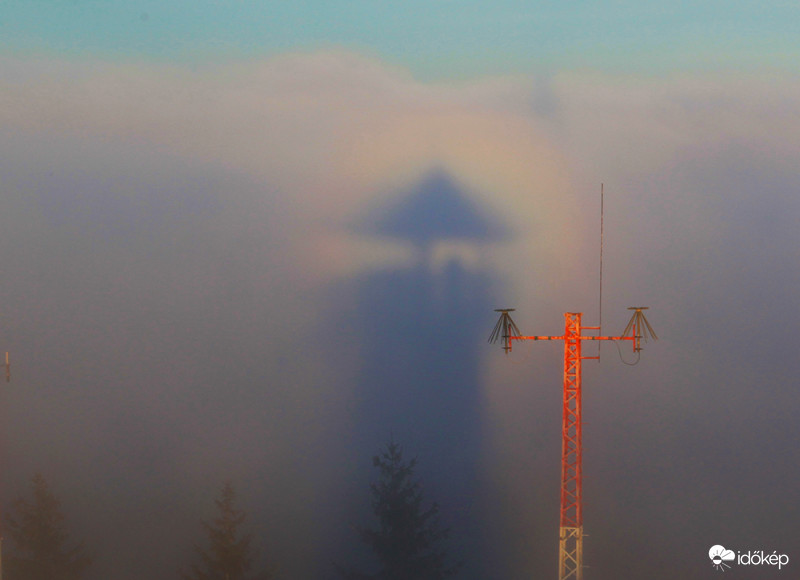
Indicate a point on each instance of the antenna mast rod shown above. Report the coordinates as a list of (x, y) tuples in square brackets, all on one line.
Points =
[(600, 315)]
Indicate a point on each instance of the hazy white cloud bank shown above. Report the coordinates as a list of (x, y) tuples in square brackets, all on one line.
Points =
[(169, 235)]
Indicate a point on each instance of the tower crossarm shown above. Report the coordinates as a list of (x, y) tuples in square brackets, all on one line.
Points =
[(513, 338), (577, 337), (536, 337), (606, 337)]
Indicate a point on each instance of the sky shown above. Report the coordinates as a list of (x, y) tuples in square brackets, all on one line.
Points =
[(256, 241)]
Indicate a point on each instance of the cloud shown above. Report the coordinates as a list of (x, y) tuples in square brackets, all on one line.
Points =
[(172, 238), (331, 130), (721, 553)]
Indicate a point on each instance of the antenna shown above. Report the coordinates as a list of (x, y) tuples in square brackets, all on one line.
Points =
[(639, 328), (504, 329), (600, 308)]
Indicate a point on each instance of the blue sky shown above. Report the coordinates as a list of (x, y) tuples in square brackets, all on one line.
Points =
[(434, 39)]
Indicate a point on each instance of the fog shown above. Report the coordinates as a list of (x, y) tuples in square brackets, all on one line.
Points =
[(264, 272)]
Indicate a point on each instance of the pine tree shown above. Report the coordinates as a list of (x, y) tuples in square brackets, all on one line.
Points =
[(37, 529), (230, 553), (408, 542)]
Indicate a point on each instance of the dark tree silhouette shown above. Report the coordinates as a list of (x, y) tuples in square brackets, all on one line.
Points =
[(230, 553), (408, 541), (37, 528)]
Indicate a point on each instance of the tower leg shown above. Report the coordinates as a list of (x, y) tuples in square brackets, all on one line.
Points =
[(570, 554), (570, 551)]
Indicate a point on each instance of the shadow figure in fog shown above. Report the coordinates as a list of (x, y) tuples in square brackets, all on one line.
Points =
[(421, 327)]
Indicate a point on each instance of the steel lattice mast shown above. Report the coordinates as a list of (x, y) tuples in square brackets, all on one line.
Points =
[(570, 545), (7, 366)]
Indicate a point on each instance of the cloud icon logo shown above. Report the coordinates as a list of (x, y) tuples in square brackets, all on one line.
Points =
[(719, 556)]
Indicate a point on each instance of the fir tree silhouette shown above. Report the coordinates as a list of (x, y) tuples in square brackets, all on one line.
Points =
[(408, 541), (38, 530), (230, 554)]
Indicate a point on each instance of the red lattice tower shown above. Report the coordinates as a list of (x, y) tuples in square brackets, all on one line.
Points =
[(638, 330), (7, 366)]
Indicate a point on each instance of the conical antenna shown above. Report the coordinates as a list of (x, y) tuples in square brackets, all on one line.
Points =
[(504, 329), (640, 328)]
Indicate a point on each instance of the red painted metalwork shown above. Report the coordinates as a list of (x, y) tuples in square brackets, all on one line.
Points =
[(570, 564), (571, 527)]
